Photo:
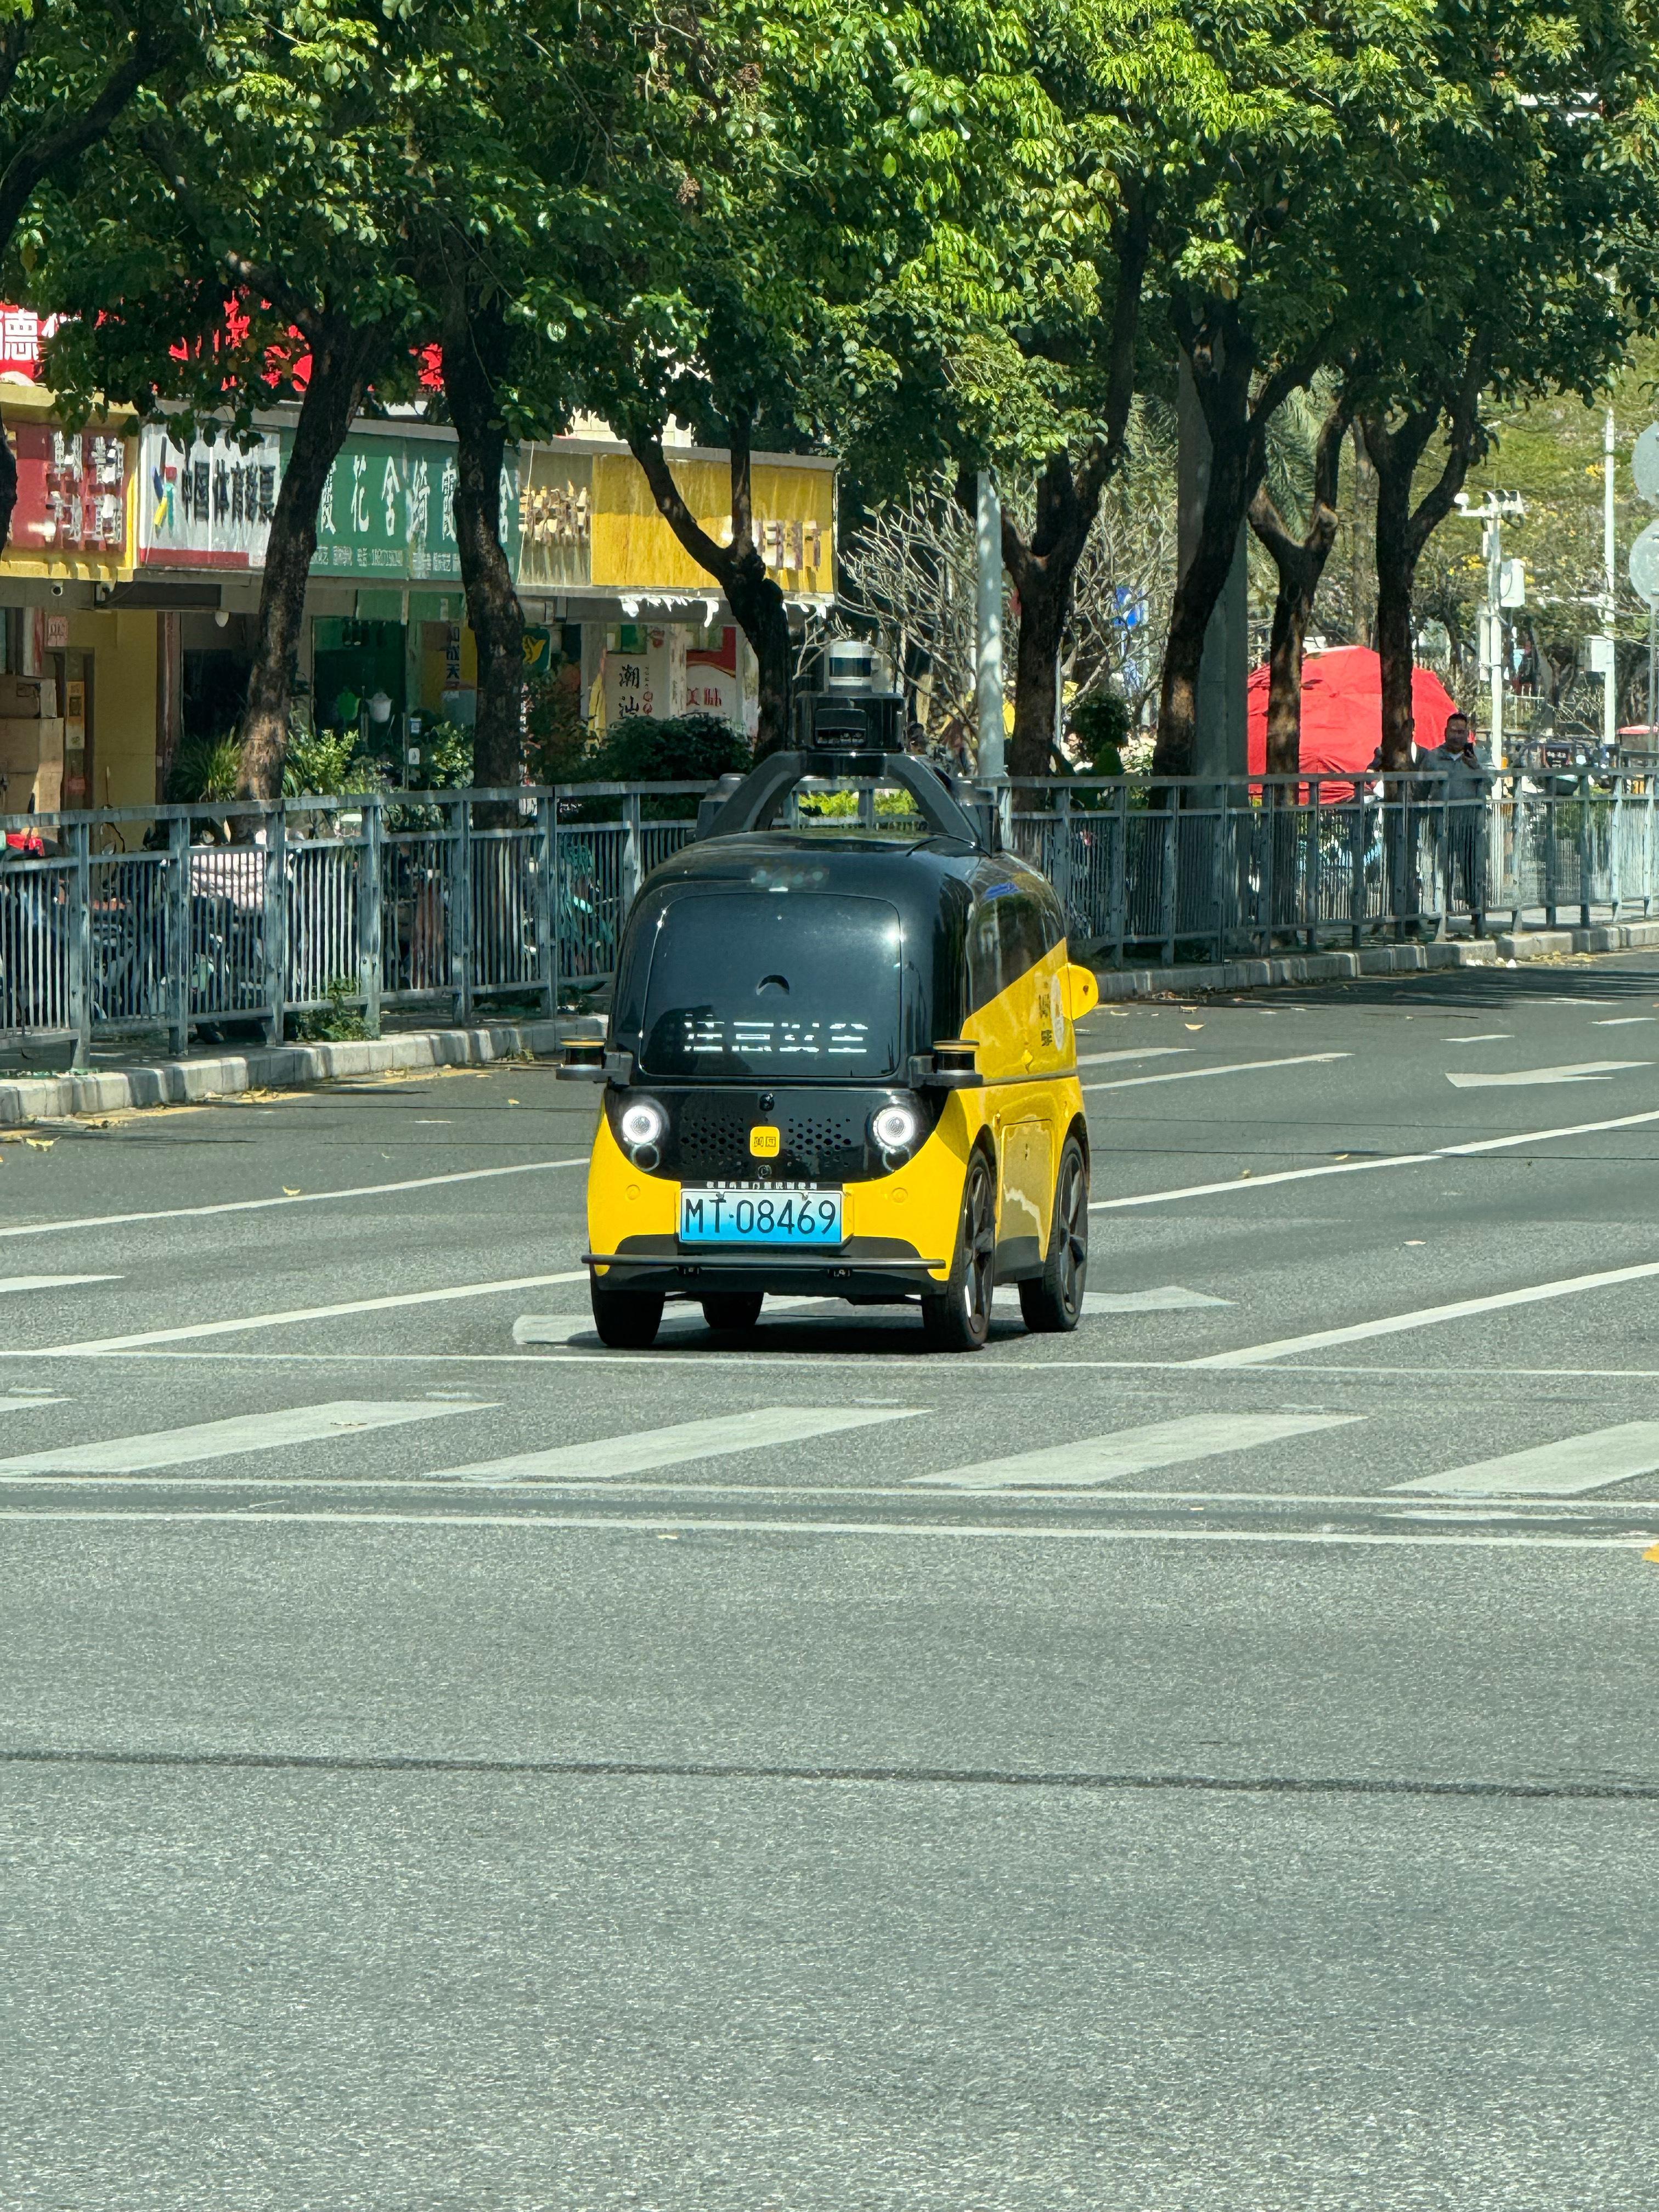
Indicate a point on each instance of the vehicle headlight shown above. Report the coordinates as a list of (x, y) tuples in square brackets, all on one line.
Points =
[(896, 1129), (643, 1122)]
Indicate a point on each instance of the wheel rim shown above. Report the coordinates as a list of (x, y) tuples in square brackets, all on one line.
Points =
[(1073, 1233), (982, 1233)]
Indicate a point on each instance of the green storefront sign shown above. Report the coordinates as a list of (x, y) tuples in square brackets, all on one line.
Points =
[(387, 513)]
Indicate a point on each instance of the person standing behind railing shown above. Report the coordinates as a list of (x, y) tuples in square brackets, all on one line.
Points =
[(1462, 784)]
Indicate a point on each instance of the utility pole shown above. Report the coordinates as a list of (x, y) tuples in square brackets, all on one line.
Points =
[(1610, 603), (988, 685), (1497, 508), (1494, 552)]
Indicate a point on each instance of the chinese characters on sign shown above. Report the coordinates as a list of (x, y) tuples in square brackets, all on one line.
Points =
[(72, 491), (388, 510), (210, 506), (22, 333), (555, 518)]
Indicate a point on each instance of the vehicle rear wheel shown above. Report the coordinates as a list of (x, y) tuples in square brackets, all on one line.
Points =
[(626, 1320), (1052, 1303), (958, 1317), (731, 1308)]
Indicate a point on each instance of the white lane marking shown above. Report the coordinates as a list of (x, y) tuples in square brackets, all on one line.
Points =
[(1286, 1347), (696, 1524), (1486, 1036), (298, 1198), (242, 1432), (1151, 1051), (1233, 1067), (1565, 1469), (1369, 1167), (681, 1322), (678, 1321), (1622, 1021), (1535, 1512), (1583, 1071), (1125, 1452), (92, 1345), (50, 1282), (18, 1401), (608, 1456)]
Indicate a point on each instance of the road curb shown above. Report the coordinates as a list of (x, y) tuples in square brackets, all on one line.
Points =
[(270, 1067), (1374, 960)]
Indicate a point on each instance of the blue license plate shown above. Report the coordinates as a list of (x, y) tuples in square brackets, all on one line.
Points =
[(760, 1216)]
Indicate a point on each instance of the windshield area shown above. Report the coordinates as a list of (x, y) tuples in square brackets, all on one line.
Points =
[(775, 985)]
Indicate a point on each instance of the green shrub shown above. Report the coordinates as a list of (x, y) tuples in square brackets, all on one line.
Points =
[(1100, 725), (338, 1023)]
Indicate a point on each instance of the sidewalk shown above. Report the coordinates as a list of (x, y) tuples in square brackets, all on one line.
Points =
[(274, 1067), (121, 1088), (1374, 960)]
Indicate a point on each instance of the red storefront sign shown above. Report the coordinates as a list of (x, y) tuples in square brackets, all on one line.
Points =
[(72, 491)]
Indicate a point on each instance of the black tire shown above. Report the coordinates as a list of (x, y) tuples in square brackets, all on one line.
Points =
[(958, 1317), (732, 1309), (626, 1320), (1052, 1303)]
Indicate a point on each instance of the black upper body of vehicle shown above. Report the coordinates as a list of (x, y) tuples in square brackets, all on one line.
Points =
[(783, 957)]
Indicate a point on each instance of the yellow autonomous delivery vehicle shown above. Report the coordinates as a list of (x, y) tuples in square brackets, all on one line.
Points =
[(840, 1064)]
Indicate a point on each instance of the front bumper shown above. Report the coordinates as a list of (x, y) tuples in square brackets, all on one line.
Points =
[(863, 1267)]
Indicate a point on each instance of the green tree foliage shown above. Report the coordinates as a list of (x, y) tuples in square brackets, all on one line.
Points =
[(251, 242), (69, 70)]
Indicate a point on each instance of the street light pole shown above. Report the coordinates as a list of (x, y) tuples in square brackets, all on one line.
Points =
[(1494, 552), (988, 684), (1610, 603)]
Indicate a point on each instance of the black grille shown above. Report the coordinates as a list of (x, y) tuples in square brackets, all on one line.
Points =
[(821, 1141)]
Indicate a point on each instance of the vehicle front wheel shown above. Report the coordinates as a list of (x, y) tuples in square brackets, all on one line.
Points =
[(732, 1309), (626, 1320), (957, 1318), (1052, 1303)]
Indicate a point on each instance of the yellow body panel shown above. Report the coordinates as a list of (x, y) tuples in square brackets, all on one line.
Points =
[(1031, 1097)]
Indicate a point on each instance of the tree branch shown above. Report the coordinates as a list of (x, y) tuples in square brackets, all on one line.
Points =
[(1464, 439), (720, 560), (52, 148), (261, 278)]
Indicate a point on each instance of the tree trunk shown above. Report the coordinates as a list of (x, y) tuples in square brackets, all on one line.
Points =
[(1396, 571), (752, 592), (1221, 355), (1043, 572), (343, 361), (477, 342), (1402, 530), (1067, 502), (8, 485), (1225, 502), (1300, 563), (1362, 533)]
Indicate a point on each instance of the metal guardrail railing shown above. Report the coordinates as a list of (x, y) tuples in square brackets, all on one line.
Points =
[(1208, 869), (240, 911), (237, 912)]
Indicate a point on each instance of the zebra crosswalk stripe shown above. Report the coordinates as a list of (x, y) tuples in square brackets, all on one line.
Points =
[(607, 1458), (226, 1439), (1567, 1468), (1124, 1452)]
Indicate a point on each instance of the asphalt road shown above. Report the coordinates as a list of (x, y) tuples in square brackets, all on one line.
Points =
[(1210, 1761)]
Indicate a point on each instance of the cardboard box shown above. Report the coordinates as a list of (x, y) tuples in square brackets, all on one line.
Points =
[(27, 698)]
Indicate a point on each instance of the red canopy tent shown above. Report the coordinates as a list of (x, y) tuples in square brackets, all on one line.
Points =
[(1342, 713)]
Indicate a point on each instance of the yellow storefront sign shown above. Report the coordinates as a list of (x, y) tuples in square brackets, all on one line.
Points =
[(634, 549)]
